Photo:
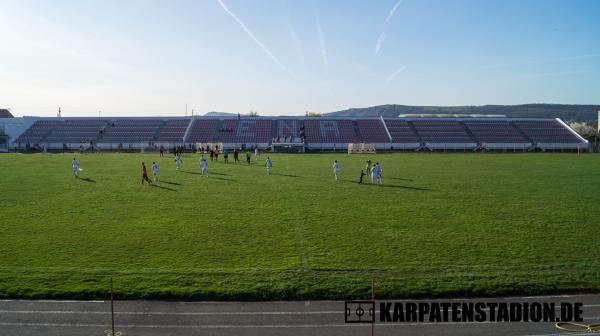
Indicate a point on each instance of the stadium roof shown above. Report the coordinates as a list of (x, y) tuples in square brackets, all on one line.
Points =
[(4, 113)]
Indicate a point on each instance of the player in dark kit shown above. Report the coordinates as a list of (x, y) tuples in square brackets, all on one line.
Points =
[(145, 174), (362, 174)]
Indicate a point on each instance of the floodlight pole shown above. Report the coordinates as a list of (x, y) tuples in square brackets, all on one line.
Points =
[(373, 299), (112, 306)]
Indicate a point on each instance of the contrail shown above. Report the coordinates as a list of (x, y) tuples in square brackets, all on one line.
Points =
[(387, 19), (379, 42), (260, 44), (393, 11), (322, 48), (392, 76)]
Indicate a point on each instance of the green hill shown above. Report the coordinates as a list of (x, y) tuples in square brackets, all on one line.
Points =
[(581, 113)]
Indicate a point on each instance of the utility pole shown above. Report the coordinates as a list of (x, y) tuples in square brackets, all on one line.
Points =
[(597, 133)]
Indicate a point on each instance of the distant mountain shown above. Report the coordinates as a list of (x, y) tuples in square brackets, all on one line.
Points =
[(581, 113)]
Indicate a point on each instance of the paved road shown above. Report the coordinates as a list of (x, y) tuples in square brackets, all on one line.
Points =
[(64, 318)]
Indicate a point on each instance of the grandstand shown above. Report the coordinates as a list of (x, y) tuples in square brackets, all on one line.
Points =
[(247, 132), (314, 133)]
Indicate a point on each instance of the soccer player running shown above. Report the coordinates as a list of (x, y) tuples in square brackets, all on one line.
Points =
[(376, 173), (75, 164), (373, 174), (178, 161), (225, 156), (362, 174), (145, 174), (203, 166), (155, 170), (336, 170), (269, 164)]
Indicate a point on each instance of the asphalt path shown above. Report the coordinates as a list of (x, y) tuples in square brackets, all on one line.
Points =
[(64, 318)]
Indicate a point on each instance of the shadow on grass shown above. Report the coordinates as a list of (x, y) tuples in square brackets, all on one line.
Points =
[(391, 186), (220, 178), (222, 174), (252, 164), (194, 173), (286, 175), (398, 178), (172, 183), (87, 179), (161, 187)]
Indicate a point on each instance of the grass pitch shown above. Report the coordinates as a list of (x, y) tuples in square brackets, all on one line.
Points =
[(441, 225)]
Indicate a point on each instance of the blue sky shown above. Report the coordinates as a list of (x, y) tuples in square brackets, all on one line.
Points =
[(287, 57)]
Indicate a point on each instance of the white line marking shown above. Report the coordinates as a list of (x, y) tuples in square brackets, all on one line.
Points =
[(255, 326), (298, 229), (67, 312), (212, 313), (53, 301), (466, 299), (568, 333)]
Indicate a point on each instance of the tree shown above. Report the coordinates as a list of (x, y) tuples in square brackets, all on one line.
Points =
[(252, 113), (313, 114), (586, 130)]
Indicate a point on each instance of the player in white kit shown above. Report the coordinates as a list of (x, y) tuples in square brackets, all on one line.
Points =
[(75, 167), (155, 170), (178, 161), (376, 174), (203, 166), (336, 170), (268, 164)]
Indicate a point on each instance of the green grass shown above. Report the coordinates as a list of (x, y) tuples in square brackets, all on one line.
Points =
[(442, 225)]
